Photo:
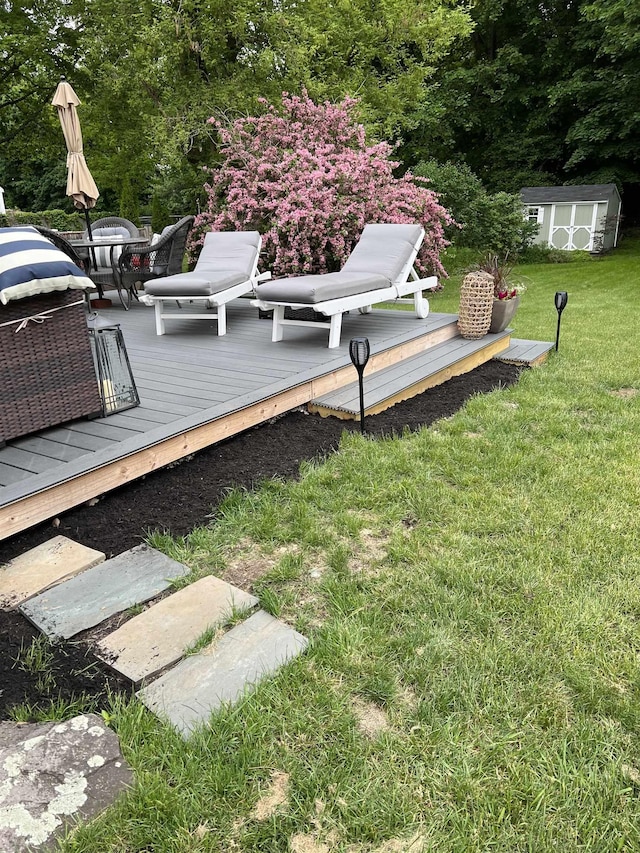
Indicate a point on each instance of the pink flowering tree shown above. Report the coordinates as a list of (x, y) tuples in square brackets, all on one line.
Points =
[(304, 177)]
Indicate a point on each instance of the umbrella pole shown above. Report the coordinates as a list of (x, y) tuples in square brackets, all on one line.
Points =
[(92, 251)]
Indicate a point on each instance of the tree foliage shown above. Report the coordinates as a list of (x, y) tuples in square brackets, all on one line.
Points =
[(38, 44), (522, 91), (604, 90), (539, 93), (150, 74)]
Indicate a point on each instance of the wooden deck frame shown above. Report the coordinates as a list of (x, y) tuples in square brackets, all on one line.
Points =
[(215, 388)]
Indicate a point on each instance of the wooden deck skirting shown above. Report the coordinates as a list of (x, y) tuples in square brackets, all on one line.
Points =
[(185, 436)]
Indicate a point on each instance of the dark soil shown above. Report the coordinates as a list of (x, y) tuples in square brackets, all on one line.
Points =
[(72, 674), (180, 497)]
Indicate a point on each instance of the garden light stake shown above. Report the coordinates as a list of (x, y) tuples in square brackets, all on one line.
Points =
[(561, 298), (359, 350)]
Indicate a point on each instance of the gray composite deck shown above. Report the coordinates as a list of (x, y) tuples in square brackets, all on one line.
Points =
[(191, 377)]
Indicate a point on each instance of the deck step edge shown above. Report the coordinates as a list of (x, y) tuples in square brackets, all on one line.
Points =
[(387, 383)]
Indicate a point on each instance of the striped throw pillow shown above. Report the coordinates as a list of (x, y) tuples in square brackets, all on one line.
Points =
[(30, 264), (104, 254)]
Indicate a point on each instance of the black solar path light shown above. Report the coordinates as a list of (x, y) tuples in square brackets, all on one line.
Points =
[(359, 350), (562, 297)]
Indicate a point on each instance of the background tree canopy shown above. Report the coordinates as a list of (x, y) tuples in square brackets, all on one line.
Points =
[(519, 91)]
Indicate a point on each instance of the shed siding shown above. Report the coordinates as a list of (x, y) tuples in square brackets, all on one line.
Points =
[(543, 233), (601, 227)]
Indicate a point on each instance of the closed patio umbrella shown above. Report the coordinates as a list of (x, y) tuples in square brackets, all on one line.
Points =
[(80, 184)]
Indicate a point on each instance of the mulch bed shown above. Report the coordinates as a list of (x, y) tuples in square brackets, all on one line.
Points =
[(183, 496), (73, 674)]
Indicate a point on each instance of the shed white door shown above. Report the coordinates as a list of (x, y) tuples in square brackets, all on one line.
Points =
[(573, 226)]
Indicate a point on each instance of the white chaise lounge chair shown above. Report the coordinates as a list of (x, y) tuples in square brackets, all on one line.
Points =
[(379, 269), (226, 269)]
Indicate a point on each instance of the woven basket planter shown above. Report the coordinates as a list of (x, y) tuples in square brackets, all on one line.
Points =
[(476, 303), (47, 374)]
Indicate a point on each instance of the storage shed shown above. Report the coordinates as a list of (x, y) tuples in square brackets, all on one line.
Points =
[(574, 217)]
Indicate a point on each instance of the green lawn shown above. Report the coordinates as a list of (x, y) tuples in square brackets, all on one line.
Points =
[(472, 597)]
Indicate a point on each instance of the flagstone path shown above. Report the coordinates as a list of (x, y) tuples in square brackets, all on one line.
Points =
[(64, 588), (79, 590)]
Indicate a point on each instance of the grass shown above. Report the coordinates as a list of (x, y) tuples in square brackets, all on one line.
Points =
[(52, 709), (475, 585), (37, 658)]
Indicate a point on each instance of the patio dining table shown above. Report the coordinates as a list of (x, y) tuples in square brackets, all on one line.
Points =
[(112, 242)]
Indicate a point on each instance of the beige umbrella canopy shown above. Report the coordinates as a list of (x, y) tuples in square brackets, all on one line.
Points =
[(80, 184)]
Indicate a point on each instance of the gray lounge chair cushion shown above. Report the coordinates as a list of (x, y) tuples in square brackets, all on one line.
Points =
[(376, 262), (384, 249), (193, 284), (311, 289), (227, 258)]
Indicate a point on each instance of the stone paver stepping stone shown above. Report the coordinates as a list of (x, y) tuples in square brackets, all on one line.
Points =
[(200, 684), (42, 567), (157, 638), (95, 595), (52, 775)]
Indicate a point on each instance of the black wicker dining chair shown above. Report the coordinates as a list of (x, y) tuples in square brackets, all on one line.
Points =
[(114, 222), (101, 262), (61, 243), (164, 257)]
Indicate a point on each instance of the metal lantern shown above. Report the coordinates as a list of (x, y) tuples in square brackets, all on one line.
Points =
[(117, 386)]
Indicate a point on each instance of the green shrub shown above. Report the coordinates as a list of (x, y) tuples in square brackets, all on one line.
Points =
[(160, 216), (459, 259), (490, 221), (129, 204), (60, 220)]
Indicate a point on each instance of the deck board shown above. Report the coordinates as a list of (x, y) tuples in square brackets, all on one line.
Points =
[(47, 447), (144, 413), (104, 429), (10, 475), (73, 437), (526, 352), (35, 463)]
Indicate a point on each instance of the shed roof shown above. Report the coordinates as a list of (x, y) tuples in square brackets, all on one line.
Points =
[(574, 193)]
